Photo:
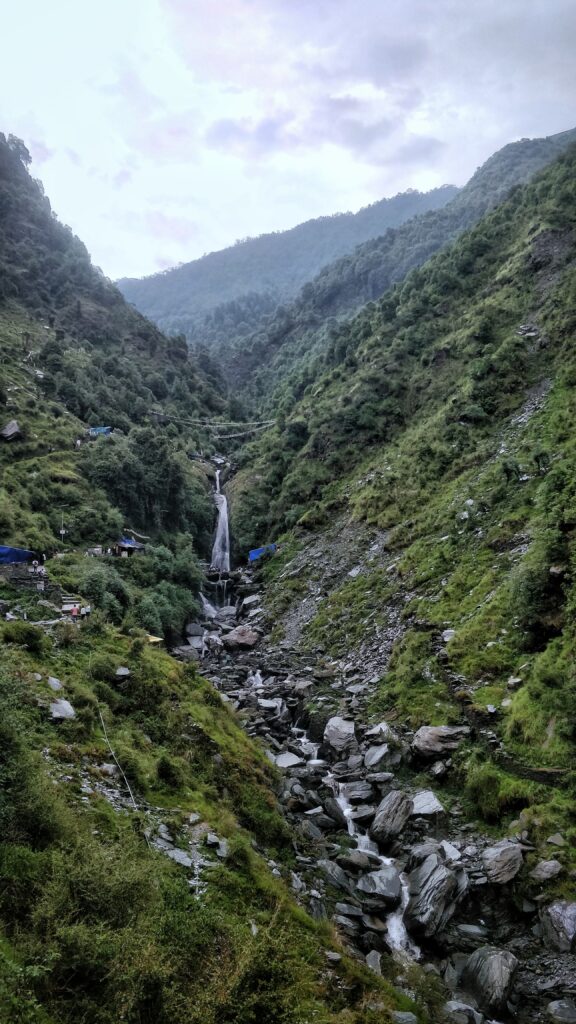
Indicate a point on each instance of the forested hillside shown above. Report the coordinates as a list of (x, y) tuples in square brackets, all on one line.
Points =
[(258, 272), (268, 354), (444, 423), (137, 821)]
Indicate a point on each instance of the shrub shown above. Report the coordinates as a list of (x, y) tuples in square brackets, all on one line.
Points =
[(25, 635)]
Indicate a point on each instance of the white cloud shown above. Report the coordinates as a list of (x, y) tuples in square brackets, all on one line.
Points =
[(166, 128)]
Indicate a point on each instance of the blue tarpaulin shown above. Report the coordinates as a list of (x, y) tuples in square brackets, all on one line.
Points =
[(10, 555), (98, 431), (257, 553), (129, 542)]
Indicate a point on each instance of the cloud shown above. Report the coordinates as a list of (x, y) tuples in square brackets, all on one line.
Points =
[(39, 151)]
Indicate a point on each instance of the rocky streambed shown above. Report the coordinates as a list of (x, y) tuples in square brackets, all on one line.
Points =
[(396, 867)]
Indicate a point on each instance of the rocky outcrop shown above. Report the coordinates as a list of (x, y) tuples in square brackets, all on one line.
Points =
[(433, 740), (241, 636), (391, 816), (488, 975), (383, 884), (435, 890), (559, 925), (502, 862), (339, 734)]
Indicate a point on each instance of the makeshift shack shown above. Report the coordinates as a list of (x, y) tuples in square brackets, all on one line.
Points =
[(127, 546)]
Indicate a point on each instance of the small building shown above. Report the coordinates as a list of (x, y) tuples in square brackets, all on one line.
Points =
[(127, 547)]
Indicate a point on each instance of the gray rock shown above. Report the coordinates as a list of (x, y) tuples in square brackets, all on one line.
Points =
[(339, 733), (373, 961), (545, 870), (384, 884), (241, 636), (348, 909), (333, 809), (432, 740), (179, 856), (288, 760), (434, 892), (54, 683), (122, 672), (461, 1013), (335, 875), (391, 816), (61, 709), (404, 1017), (374, 755), (448, 635), (502, 862), (559, 925), (426, 803), (194, 629), (354, 861), (357, 792), (556, 840), (382, 733), (488, 975), (562, 1011)]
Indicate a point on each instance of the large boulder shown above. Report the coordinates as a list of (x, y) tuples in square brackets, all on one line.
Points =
[(434, 892), (384, 885), (391, 816), (426, 804), (488, 975), (559, 925), (339, 733), (502, 862), (432, 740), (61, 710), (241, 636), (545, 870)]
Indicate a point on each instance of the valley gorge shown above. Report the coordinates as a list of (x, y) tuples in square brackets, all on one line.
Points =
[(287, 685)]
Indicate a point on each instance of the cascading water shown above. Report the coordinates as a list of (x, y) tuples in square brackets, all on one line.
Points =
[(398, 937), (221, 549)]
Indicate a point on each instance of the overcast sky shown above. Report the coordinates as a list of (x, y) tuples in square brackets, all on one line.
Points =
[(163, 129)]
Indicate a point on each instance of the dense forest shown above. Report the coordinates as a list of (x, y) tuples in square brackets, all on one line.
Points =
[(271, 268)]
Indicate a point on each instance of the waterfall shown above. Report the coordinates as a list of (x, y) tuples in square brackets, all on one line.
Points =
[(221, 549)]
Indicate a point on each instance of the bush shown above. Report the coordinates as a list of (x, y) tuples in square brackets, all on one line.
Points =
[(25, 635)]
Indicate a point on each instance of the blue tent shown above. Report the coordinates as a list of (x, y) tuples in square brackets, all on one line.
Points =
[(257, 553), (100, 431), (8, 556)]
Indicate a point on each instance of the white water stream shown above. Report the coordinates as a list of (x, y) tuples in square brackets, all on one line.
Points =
[(221, 548), (398, 937)]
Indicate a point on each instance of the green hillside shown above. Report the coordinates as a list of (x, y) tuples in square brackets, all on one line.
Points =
[(257, 273), (117, 763), (265, 353), (445, 423)]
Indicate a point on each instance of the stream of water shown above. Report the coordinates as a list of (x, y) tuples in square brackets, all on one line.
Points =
[(221, 549)]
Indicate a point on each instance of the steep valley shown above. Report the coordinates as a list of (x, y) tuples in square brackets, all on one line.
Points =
[(332, 783)]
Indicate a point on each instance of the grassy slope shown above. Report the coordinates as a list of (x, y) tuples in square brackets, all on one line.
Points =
[(454, 432)]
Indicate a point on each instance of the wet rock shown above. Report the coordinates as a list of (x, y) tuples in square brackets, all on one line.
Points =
[(502, 862), (357, 792), (545, 870), (434, 891), (339, 733), (432, 740), (488, 975), (391, 816), (288, 760), (348, 910), (62, 709), (426, 803), (384, 884), (355, 861), (562, 1011), (335, 874), (559, 925), (333, 809), (461, 1013), (241, 636)]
